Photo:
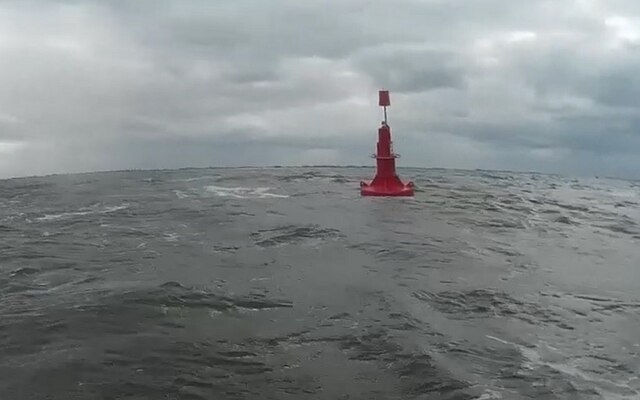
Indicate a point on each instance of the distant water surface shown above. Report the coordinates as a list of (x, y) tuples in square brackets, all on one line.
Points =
[(284, 283)]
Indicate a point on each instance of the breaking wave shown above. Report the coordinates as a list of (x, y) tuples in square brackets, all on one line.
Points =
[(245, 192)]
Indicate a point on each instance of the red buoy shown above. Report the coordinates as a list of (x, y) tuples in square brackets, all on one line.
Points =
[(386, 182)]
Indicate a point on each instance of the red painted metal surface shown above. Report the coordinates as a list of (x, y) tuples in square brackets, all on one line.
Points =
[(383, 98), (386, 182)]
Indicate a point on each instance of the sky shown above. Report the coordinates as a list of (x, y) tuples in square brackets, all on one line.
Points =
[(525, 85)]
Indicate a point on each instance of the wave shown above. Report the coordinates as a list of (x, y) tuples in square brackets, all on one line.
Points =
[(244, 192), (82, 212)]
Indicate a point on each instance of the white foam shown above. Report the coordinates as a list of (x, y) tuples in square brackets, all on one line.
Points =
[(180, 195), (114, 208), (609, 389), (53, 217), (624, 193), (497, 339), (198, 178), (171, 237), (244, 192), (490, 395), (262, 191), (533, 357), (81, 212)]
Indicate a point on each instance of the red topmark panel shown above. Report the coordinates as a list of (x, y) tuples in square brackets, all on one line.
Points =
[(384, 98)]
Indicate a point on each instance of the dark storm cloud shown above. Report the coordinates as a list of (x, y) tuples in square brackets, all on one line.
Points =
[(535, 84)]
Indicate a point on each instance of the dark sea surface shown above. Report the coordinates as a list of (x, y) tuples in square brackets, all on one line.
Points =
[(284, 283)]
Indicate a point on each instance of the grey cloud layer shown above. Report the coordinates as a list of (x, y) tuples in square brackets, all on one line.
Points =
[(531, 84)]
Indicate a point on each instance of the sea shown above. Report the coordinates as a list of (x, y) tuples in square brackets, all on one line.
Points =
[(285, 283)]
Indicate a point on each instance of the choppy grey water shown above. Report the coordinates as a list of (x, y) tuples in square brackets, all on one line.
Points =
[(284, 283)]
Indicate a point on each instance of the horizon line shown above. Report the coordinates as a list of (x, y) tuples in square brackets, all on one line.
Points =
[(276, 166)]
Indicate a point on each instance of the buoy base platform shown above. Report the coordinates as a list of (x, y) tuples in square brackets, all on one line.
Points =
[(387, 187)]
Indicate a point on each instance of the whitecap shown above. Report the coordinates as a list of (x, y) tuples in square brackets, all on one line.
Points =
[(490, 395), (263, 193), (81, 212), (115, 208), (244, 192), (171, 237), (610, 389), (180, 194), (197, 178), (53, 217)]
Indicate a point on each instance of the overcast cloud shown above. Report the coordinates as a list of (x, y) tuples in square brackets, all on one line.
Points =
[(544, 85)]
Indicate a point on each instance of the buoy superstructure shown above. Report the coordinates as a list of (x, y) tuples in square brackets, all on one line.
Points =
[(386, 181)]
